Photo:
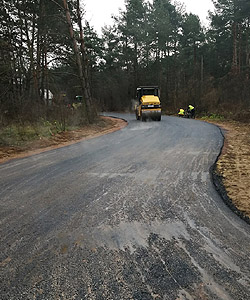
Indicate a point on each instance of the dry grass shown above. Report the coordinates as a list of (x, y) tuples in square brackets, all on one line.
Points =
[(39, 144), (234, 163)]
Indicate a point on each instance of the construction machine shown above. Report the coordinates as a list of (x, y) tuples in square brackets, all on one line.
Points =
[(149, 105)]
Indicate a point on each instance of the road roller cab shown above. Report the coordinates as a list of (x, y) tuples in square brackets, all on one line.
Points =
[(148, 105)]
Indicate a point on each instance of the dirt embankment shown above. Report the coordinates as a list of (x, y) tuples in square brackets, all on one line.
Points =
[(104, 126), (234, 165)]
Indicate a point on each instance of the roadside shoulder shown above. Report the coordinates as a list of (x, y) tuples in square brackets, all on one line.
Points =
[(231, 171), (107, 125)]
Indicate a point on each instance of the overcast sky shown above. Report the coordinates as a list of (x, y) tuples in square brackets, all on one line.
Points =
[(98, 12)]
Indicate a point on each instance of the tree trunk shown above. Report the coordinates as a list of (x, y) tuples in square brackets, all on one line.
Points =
[(240, 49), (86, 78), (46, 74), (247, 44), (39, 43), (135, 64), (78, 61), (202, 69), (235, 52)]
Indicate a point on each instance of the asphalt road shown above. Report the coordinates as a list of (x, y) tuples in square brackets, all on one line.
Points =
[(129, 215)]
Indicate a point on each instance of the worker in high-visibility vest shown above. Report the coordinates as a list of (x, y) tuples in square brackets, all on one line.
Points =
[(191, 110), (181, 112)]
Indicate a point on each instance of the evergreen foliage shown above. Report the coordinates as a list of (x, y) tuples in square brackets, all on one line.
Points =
[(151, 43)]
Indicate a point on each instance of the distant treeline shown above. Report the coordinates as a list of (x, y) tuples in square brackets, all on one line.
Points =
[(151, 43)]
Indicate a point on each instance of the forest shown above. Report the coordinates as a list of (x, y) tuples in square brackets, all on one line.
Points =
[(50, 54)]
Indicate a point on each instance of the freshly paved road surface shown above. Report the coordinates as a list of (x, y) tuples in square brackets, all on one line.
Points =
[(129, 215)]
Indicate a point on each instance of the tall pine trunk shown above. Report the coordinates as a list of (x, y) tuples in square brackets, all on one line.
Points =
[(82, 74), (235, 52), (87, 91)]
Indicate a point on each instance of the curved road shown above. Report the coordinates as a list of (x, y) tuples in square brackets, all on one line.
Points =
[(129, 215)]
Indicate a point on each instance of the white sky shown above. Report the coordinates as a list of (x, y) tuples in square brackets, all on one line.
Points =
[(98, 12)]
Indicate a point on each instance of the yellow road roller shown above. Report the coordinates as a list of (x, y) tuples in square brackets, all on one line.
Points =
[(149, 105)]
